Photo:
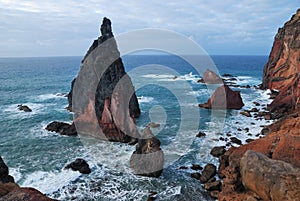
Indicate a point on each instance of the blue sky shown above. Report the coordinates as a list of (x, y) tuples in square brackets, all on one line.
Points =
[(67, 28)]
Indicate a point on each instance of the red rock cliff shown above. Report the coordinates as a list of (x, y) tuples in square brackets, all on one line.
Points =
[(282, 72)]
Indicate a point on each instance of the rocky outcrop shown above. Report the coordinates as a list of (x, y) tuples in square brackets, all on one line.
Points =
[(62, 128), (148, 158), (224, 98), (24, 108), (10, 191), (270, 179), (115, 111), (79, 165), (282, 72), (210, 77)]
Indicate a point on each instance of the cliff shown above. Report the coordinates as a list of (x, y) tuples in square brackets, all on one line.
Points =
[(282, 72), (102, 62), (268, 168)]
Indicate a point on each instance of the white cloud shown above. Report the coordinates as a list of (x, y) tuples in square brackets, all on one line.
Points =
[(65, 26)]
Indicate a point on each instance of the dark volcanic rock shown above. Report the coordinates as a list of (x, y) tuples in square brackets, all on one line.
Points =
[(224, 98), (148, 158), (201, 134), (196, 175), (62, 128), (218, 151), (79, 165), (24, 108), (209, 172), (196, 167), (210, 77), (4, 173)]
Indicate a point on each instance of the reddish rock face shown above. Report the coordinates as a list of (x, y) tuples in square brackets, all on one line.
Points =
[(224, 98), (28, 194), (282, 72)]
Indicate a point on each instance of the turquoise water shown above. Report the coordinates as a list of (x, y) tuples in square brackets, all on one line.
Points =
[(37, 157)]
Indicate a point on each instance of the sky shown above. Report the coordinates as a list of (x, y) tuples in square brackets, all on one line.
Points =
[(67, 28)]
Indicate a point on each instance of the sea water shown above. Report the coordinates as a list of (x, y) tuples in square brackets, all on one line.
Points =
[(37, 158)]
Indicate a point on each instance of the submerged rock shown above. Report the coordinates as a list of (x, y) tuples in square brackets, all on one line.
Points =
[(62, 128), (24, 108), (148, 158), (79, 165), (224, 98)]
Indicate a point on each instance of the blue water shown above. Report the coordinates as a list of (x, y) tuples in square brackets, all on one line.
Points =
[(37, 157)]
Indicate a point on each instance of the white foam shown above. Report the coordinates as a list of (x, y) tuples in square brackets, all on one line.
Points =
[(145, 99), (44, 97), (49, 182), (12, 111), (15, 172)]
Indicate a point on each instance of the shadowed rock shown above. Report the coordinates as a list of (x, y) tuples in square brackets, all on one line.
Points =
[(24, 108), (62, 128), (148, 158), (79, 165)]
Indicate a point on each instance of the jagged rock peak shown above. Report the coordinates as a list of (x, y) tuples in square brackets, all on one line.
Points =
[(105, 29)]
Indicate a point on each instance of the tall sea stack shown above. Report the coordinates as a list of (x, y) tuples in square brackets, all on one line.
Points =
[(104, 88)]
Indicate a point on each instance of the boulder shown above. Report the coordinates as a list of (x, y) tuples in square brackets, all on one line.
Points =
[(209, 172), (218, 151), (148, 158), (62, 128), (224, 98), (246, 113), (270, 179), (210, 77), (79, 165), (24, 108)]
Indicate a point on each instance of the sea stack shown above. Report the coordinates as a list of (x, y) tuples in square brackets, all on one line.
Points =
[(105, 95), (270, 171)]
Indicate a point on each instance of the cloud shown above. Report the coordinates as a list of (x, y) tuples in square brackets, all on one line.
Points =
[(68, 27)]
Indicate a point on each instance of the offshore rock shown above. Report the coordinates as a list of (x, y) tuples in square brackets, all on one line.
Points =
[(210, 77), (62, 128), (148, 158), (79, 165), (224, 98), (282, 72), (24, 108), (114, 106)]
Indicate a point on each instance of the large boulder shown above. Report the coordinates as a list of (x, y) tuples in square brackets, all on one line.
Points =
[(148, 158), (270, 179), (224, 98)]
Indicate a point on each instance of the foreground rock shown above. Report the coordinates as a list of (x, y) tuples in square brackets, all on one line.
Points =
[(210, 77), (62, 128), (79, 165), (10, 191), (110, 112), (280, 182), (224, 98), (24, 108), (148, 158)]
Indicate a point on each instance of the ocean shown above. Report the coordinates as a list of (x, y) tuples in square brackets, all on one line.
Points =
[(36, 157)]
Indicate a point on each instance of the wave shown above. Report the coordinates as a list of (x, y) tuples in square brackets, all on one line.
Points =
[(44, 97), (145, 99), (49, 182), (172, 78)]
